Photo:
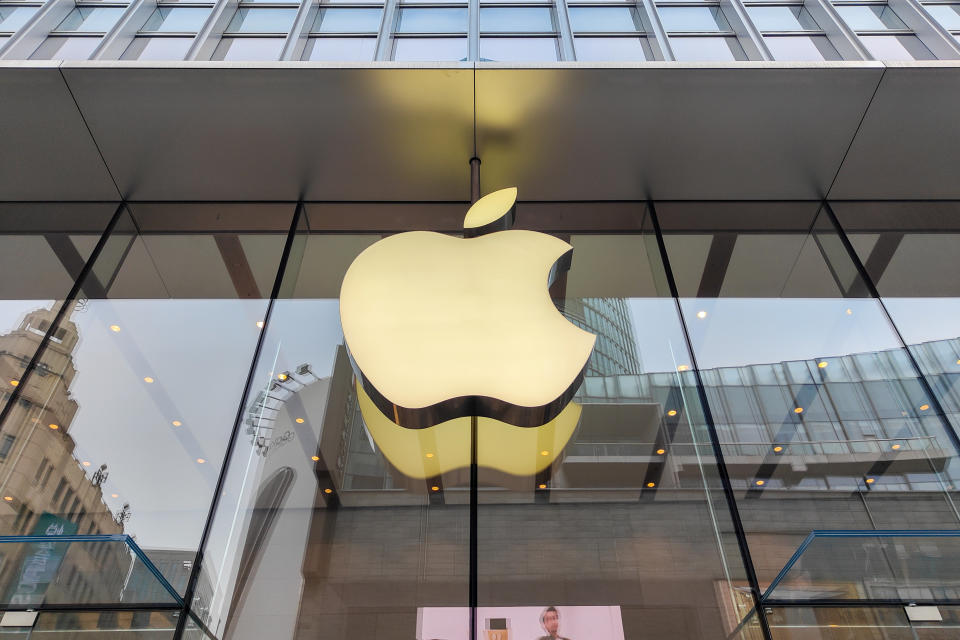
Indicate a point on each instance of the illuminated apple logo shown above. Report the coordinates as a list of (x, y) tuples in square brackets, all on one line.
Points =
[(440, 327)]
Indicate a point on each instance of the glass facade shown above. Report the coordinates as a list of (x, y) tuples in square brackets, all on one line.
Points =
[(483, 30), (763, 445)]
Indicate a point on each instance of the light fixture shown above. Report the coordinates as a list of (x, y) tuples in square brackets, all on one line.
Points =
[(114, 495), (282, 376), (760, 483), (115, 328), (86, 463), (683, 367), (434, 488), (176, 423), (429, 455), (259, 324), (924, 407), (8, 498), (849, 312), (200, 460), (299, 420), (651, 485), (895, 447), (148, 380), (869, 480), (542, 486), (544, 453), (54, 426), (328, 490), (798, 410), (14, 383), (823, 364), (701, 314), (777, 449), (660, 452), (958, 361), (672, 412), (315, 458)]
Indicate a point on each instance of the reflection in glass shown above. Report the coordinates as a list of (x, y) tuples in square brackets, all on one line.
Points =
[(783, 18), (157, 49), (801, 48), (612, 49), (605, 19), (344, 20), (702, 49), (519, 49), (262, 20), (248, 49), (897, 48), (12, 18), (93, 19), (188, 19), (870, 17), (693, 19), (65, 48), (429, 49), (516, 19), (432, 20), (342, 49), (946, 14)]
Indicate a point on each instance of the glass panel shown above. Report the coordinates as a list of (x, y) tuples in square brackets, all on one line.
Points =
[(605, 19), (188, 19), (583, 518), (707, 49), (157, 49), (248, 49), (833, 623), (693, 19), (343, 20), (946, 14), (432, 20), (12, 18), (870, 17), (516, 19), (116, 625), (801, 48), (519, 49), (612, 49), (61, 48), (126, 417), (811, 392), (795, 18), (897, 48), (429, 49), (316, 504), (341, 49), (92, 19), (262, 20)]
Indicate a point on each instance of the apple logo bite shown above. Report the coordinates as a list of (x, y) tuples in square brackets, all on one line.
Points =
[(440, 327)]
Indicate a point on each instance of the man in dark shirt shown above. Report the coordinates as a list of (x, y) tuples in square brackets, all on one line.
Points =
[(550, 621)]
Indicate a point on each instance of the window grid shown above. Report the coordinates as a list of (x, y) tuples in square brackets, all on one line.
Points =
[(685, 28)]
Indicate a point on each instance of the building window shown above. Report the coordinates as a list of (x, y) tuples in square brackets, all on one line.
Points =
[(700, 34), (256, 33), (791, 33), (426, 32), (521, 34), (884, 34), (948, 15), (614, 33), (6, 443), (12, 17), (347, 34), (76, 38)]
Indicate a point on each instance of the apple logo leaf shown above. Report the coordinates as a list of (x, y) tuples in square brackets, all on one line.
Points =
[(493, 212)]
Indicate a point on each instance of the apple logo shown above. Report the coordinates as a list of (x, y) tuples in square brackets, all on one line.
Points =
[(440, 328)]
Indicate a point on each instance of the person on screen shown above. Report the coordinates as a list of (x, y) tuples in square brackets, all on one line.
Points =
[(550, 621)]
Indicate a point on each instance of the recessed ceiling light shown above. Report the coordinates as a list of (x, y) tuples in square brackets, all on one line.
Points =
[(328, 490), (259, 324), (651, 485), (86, 463), (542, 486), (672, 412), (798, 410), (683, 367), (148, 380), (701, 314), (315, 458), (822, 364), (299, 421), (660, 452), (176, 423), (760, 483), (201, 460), (115, 328)]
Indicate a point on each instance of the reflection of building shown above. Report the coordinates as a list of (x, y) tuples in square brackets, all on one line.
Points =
[(38, 472), (615, 350)]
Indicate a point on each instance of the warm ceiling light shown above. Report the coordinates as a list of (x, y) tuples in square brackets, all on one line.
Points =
[(115, 328), (544, 453), (958, 361), (14, 382), (328, 490), (201, 460), (760, 483), (672, 412), (777, 449), (849, 312), (148, 380), (798, 410), (282, 376), (434, 488), (176, 423), (823, 364), (869, 480), (651, 485), (429, 455), (683, 367), (259, 324), (8, 498), (86, 463), (299, 420), (315, 458), (660, 452), (542, 486), (54, 426), (924, 407), (895, 447), (701, 314), (114, 495)]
